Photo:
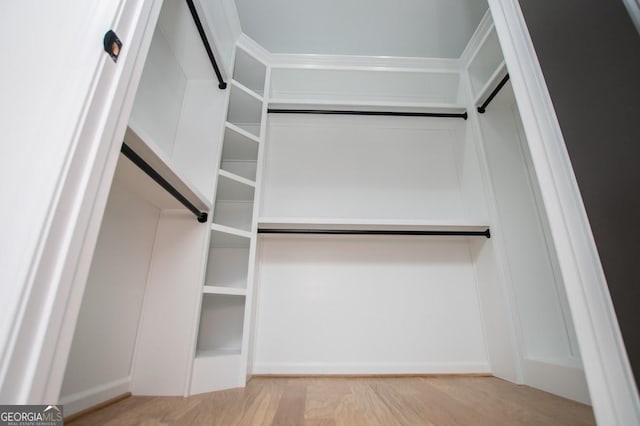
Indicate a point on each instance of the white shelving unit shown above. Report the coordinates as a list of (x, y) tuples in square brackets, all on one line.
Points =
[(221, 351)]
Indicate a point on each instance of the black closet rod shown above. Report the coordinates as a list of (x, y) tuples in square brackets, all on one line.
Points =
[(153, 174), (485, 233), (351, 112), (482, 108), (222, 84)]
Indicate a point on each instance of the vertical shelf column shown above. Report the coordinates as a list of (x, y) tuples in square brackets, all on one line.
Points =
[(222, 346)]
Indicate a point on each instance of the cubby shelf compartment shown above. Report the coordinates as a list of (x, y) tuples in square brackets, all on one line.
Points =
[(239, 152), (232, 187), (234, 201), (228, 261), (245, 108), (221, 324), (250, 72)]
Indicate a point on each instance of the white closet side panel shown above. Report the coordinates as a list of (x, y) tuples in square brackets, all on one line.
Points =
[(362, 167), (160, 95), (547, 342), (367, 305), (99, 364), (165, 346)]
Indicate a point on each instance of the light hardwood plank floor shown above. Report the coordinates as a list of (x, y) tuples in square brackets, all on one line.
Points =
[(384, 401)]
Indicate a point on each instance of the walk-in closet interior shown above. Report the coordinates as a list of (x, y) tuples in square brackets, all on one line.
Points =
[(365, 214)]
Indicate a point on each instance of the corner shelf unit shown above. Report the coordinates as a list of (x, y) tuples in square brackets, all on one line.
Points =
[(221, 352)]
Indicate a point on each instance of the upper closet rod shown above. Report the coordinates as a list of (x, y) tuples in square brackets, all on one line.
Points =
[(485, 233), (350, 112), (222, 84), (153, 174), (482, 108)]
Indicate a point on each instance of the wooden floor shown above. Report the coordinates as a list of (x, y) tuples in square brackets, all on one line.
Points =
[(353, 402)]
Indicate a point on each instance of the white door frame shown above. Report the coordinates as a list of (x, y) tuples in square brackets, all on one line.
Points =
[(34, 359), (611, 384)]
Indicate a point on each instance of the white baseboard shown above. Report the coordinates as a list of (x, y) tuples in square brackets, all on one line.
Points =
[(566, 381), (88, 398), (370, 368)]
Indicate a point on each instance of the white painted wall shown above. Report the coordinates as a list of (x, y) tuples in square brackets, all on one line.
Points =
[(160, 94), (99, 365), (363, 304), (363, 167)]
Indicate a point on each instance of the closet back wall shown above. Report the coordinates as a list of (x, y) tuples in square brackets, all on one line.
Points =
[(368, 305), (395, 168)]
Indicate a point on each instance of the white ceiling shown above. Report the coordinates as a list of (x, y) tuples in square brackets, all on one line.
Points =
[(411, 28)]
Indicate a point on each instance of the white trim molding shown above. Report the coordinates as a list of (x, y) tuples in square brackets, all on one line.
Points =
[(314, 368), (82, 400), (611, 384)]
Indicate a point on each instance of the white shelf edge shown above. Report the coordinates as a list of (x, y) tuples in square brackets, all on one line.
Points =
[(368, 224), (242, 132), (495, 77), (231, 291), (236, 178), (229, 230), (246, 90), (142, 144), (367, 105), (212, 353)]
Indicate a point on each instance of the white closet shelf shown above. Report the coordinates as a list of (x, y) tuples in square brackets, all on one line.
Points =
[(413, 107), (242, 132), (144, 146), (237, 178), (246, 90), (210, 353), (367, 224), (229, 230), (233, 291)]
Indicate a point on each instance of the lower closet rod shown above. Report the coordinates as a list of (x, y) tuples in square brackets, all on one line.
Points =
[(153, 174), (485, 233)]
